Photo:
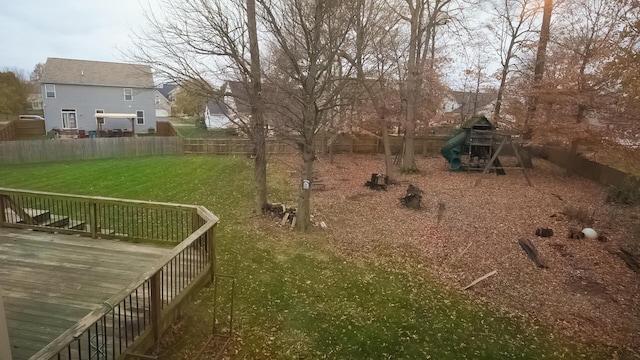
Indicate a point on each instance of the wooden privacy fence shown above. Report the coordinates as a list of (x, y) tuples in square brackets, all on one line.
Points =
[(33, 151), (22, 129), (233, 146), (8, 131), (341, 144), (134, 318), (603, 174)]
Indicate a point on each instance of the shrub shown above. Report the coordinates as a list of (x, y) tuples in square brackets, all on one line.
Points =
[(580, 215), (409, 171), (628, 193)]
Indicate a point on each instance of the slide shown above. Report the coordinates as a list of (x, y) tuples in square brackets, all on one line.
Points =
[(452, 150)]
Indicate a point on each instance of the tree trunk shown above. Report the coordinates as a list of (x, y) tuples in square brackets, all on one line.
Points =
[(260, 163), (388, 158), (303, 215), (413, 74), (540, 61)]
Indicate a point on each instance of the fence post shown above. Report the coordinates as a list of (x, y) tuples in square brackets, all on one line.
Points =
[(156, 305), (3, 206), (211, 233), (93, 219)]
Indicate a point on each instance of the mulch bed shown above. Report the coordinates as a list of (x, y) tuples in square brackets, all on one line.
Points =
[(469, 225)]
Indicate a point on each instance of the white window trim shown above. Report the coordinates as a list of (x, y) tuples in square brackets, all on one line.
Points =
[(46, 92), (138, 117), (69, 111), (130, 94)]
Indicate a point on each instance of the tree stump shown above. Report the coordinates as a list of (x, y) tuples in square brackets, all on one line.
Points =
[(532, 252), (413, 199)]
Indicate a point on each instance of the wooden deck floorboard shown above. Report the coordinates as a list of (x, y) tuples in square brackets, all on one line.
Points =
[(49, 281)]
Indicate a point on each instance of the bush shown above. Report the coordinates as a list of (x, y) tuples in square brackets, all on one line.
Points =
[(580, 215), (628, 193)]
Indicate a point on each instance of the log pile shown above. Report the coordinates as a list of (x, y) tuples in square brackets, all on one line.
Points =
[(286, 215)]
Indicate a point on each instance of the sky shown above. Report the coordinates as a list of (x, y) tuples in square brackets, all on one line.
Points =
[(33, 30)]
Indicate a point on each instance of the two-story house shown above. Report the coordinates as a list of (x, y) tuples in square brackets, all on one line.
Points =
[(73, 91)]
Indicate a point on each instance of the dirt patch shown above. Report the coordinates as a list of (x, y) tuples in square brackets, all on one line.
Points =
[(586, 286), (470, 224)]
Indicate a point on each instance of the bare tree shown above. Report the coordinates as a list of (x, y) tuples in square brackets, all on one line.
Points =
[(422, 16), (373, 63), (538, 73), (514, 26), (307, 37), (198, 42)]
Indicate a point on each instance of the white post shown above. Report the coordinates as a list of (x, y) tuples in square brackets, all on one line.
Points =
[(5, 349)]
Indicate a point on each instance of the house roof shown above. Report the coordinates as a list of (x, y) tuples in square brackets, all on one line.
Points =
[(166, 89), (465, 100), (101, 73), (478, 122), (217, 107), (240, 96)]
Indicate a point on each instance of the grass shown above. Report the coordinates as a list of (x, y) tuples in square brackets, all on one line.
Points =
[(186, 128), (295, 296)]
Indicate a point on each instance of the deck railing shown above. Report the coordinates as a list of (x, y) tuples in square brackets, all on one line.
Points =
[(98, 216), (140, 312)]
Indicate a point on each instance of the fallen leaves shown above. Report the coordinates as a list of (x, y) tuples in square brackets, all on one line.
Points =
[(370, 225)]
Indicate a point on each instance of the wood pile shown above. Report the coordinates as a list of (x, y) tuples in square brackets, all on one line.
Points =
[(287, 215)]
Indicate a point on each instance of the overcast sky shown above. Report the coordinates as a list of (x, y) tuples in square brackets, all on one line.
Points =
[(33, 30)]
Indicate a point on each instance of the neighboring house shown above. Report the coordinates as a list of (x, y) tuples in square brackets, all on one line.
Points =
[(165, 99), (74, 90), (35, 101), (459, 106), (216, 115), (35, 98)]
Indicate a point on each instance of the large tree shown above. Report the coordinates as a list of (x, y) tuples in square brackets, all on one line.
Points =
[(14, 93), (306, 40), (422, 17), (513, 28), (370, 56), (538, 73), (199, 42)]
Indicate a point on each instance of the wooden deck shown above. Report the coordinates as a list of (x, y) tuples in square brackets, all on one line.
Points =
[(49, 281)]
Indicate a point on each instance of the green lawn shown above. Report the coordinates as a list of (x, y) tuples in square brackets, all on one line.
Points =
[(295, 297), (186, 128)]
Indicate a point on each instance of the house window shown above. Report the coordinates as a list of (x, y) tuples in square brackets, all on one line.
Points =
[(140, 117), (50, 90), (69, 119), (128, 94), (100, 120)]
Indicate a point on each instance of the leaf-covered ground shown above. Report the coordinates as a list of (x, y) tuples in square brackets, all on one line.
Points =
[(470, 225), (381, 281)]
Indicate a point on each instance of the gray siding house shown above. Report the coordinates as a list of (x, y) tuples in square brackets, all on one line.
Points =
[(73, 91)]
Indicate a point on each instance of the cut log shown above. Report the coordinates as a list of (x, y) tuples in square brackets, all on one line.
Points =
[(532, 252), (544, 232), (483, 277), (575, 233), (413, 199), (284, 219)]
